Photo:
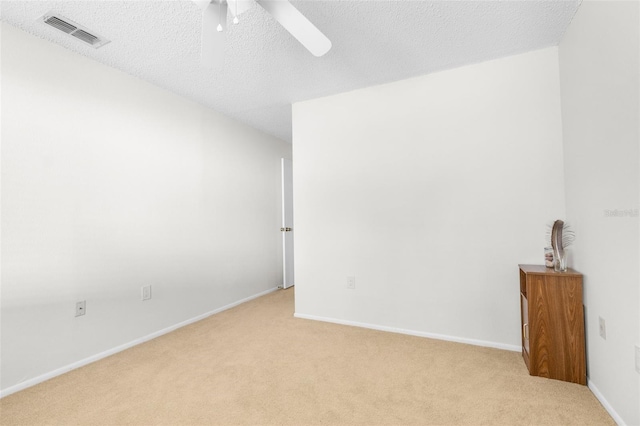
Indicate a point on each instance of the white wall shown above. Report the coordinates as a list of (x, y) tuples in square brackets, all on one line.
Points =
[(429, 191), (599, 80), (109, 184)]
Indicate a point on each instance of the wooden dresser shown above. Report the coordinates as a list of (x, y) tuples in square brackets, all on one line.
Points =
[(552, 323)]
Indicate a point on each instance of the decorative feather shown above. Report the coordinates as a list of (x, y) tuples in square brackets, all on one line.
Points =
[(556, 239), (568, 236)]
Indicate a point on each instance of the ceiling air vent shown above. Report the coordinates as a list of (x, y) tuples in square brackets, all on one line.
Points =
[(74, 29), (85, 36), (60, 24)]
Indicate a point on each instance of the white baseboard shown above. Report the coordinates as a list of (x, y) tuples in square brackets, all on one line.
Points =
[(616, 417), (99, 356), (456, 339)]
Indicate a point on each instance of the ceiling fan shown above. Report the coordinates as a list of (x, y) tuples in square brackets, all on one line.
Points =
[(214, 23)]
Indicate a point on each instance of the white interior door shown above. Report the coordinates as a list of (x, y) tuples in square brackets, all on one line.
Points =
[(287, 224)]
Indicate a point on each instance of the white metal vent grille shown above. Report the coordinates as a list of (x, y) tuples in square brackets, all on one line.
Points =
[(75, 30), (60, 24), (85, 36)]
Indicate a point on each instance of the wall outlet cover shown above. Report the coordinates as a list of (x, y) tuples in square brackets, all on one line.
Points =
[(146, 292), (351, 283), (602, 327)]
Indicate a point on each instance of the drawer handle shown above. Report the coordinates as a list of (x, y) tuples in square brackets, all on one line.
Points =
[(525, 330)]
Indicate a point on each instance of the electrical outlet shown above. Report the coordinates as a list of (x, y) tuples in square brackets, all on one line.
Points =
[(351, 283), (81, 308), (638, 359), (146, 292), (603, 328)]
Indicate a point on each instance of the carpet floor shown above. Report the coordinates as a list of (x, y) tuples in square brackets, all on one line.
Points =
[(256, 364)]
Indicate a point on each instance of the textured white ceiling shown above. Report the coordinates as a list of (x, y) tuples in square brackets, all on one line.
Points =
[(266, 70)]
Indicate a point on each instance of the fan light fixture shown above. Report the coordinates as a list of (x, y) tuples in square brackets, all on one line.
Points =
[(235, 17), (214, 24)]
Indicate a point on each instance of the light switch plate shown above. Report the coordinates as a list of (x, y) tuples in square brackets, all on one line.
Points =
[(81, 308)]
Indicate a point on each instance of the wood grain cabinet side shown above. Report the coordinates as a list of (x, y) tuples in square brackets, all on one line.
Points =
[(552, 320)]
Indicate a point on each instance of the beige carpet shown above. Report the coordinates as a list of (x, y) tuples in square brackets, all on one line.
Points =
[(256, 364)]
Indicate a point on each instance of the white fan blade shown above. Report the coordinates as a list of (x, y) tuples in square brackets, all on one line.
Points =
[(202, 4), (212, 43), (238, 7), (298, 25)]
